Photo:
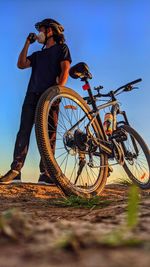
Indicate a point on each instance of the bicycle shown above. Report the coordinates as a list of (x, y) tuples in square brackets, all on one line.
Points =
[(84, 149)]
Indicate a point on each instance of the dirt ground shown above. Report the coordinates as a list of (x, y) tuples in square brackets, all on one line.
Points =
[(36, 231)]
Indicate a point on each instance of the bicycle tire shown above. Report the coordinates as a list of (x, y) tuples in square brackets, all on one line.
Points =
[(139, 140), (45, 150)]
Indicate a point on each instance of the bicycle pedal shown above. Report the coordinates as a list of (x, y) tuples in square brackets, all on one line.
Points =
[(90, 164)]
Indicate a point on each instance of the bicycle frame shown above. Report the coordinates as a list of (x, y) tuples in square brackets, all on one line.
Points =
[(105, 144)]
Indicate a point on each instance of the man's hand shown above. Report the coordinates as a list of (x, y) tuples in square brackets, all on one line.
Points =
[(32, 37)]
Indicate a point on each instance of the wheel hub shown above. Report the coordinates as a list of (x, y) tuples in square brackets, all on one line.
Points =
[(76, 140), (69, 144), (130, 157), (80, 139)]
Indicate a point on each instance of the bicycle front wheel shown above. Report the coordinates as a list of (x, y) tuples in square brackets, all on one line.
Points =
[(70, 167), (137, 158)]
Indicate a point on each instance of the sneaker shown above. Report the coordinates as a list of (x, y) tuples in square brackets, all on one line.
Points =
[(17, 179), (11, 176), (44, 178)]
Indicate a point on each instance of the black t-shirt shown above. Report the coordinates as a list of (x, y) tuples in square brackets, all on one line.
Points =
[(46, 67)]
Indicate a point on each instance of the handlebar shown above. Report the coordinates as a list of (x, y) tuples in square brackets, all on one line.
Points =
[(112, 93), (126, 87), (128, 84)]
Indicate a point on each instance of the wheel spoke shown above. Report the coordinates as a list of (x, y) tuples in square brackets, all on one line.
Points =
[(136, 167), (68, 147)]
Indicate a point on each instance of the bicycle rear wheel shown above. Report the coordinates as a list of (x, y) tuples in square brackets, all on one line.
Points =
[(64, 165), (137, 158)]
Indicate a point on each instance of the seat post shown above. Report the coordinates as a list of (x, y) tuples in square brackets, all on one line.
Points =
[(87, 87)]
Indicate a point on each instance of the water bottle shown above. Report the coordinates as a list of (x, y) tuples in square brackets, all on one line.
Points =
[(108, 123)]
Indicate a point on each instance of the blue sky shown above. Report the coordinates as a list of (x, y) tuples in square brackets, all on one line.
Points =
[(111, 36)]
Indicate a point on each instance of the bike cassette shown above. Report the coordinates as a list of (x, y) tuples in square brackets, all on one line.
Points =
[(80, 139)]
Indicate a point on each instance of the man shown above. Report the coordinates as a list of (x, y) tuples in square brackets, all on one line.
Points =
[(49, 67)]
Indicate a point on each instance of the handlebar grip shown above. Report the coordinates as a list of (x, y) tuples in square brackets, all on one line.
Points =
[(135, 81)]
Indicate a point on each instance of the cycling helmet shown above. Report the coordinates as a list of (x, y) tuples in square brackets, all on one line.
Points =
[(50, 23)]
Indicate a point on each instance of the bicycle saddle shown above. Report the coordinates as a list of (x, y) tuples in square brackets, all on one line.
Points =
[(80, 70)]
